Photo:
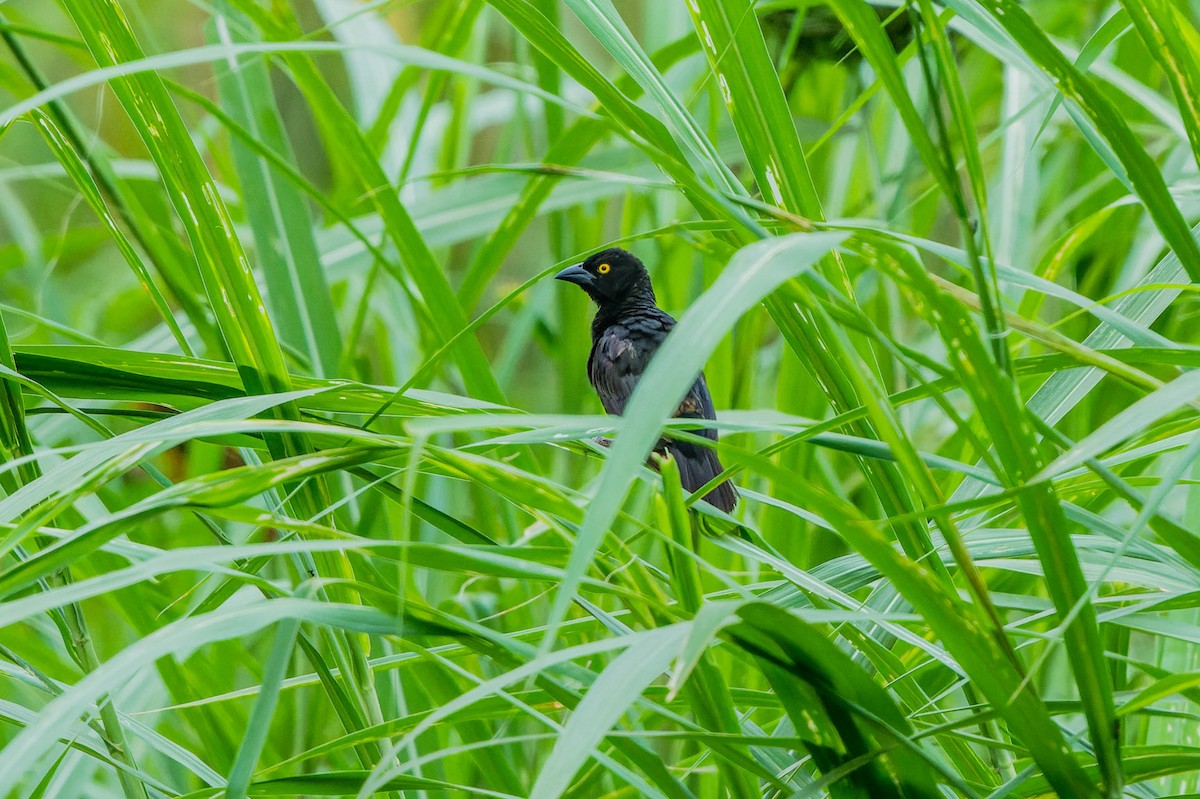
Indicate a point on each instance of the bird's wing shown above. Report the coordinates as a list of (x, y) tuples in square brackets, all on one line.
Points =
[(620, 354), (699, 464), (616, 364), (698, 404)]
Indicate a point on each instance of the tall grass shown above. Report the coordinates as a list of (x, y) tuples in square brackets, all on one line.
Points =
[(300, 489)]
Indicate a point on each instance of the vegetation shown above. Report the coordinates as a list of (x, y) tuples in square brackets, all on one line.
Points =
[(300, 489)]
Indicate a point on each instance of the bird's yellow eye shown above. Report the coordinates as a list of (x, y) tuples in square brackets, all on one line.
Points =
[(604, 269)]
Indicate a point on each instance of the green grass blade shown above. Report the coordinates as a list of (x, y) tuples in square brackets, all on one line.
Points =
[(257, 727), (287, 252), (1015, 440), (339, 126), (1172, 39), (603, 21), (845, 691), (1144, 175), (78, 172), (733, 43), (610, 696), (221, 262)]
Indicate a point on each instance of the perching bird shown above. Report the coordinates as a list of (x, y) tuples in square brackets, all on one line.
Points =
[(627, 331)]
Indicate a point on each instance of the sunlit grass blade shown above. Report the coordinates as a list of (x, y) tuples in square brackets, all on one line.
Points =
[(1147, 180), (78, 172), (1015, 439), (287, 252), (1172, 39), (220, 259), (734, 46), (610, 696)]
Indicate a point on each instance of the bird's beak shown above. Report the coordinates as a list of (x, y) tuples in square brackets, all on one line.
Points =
[(576, 274)]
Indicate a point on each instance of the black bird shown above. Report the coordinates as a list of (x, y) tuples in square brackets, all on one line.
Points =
[(628, 329)]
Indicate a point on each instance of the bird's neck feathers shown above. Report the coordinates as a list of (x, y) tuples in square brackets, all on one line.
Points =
[(639, 297)]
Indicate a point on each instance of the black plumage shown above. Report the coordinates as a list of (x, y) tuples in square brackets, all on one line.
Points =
[(628, 329)]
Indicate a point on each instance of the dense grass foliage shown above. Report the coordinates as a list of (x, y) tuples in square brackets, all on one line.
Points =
[(300, 493)]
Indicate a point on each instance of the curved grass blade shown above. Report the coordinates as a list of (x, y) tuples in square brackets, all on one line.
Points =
[(733, 43), (785, 645), (1014, 437), (287, 251), (621, 682), (603, 21), (180, 638), (1143, 173), (78, 172), (1172, 39)]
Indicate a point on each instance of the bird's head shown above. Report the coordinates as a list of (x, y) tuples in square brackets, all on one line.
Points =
[(610, 276)]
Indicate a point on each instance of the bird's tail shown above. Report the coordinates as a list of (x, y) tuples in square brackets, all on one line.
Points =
[(698, 465)]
